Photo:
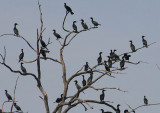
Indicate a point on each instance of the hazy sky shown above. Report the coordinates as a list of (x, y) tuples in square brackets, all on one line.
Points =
[(121, 21)]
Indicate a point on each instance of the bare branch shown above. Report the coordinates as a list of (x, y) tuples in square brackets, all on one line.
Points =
[(14, 94), (108, 88), (64, 22), (19, 37), (91, 107)]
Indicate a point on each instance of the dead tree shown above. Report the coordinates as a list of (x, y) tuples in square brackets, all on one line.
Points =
[(68, 102)]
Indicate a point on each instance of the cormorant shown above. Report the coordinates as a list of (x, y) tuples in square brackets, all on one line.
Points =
[(43, 52), (17, 107), (99, 60), (126, 111), (43, 43), (8, 95), (15, 29), (122, 63), (109, 62), (102, 96), (21, 56), (89, 80), (115, 56), (144, 42), (58, 100), (56, 34), (111, 54), (84, 25), (106, 66), (68, 8), (83, 81), (95, 23), (132, 46), (118, 110), (145, 100), (23, 68), (86, 67), (105, 112), (77, 85), (126, 56), (74, 26)]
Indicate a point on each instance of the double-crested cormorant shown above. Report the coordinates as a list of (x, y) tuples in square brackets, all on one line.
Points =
[(68, 8), (145, 100), (43, 43), (21, 56), (111, 54), (8, 95), (144, 42), (74, 26), (105, 112), (118, 110), (58, 100), (126, 111), (109, 62), (95, 23), (132, 46), (83, 81), (122, 63), (99, 59), (86, 67), (102, 96), (17, 107), (56, 34), (43, 52), (106, 66), (84, 25), (77, 85), (89, 80), (15, 29), (126, 56), (115, 56), (23, 68)]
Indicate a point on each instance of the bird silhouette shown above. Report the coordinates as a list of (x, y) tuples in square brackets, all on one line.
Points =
[(68, 9)]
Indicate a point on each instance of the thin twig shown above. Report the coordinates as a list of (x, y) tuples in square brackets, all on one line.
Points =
[(108, 88)]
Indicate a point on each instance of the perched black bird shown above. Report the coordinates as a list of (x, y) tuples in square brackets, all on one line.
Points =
[(95, 23), (144, 42), (68, 8), (43, 52), (58, 100), (109, 62), (83, 81), (118, 110), (99, 59), (77, 85), (105, 112), (15, 29), (102, 96), (89, 80), (74, 26), (86, 67), (115, 56), (122, 63), (8, 95), (56, 34), (84, 25), (126, 111), (145, 100), (21, 55), (106, 66), (23, 68), (111, 54), (126, 56), (43, 43), (17, 107), (132, 46)]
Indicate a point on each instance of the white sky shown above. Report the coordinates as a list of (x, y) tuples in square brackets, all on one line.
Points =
[(121, 21)]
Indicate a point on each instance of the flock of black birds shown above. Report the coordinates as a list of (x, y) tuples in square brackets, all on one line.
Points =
[(9, 97), (113, 57)]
